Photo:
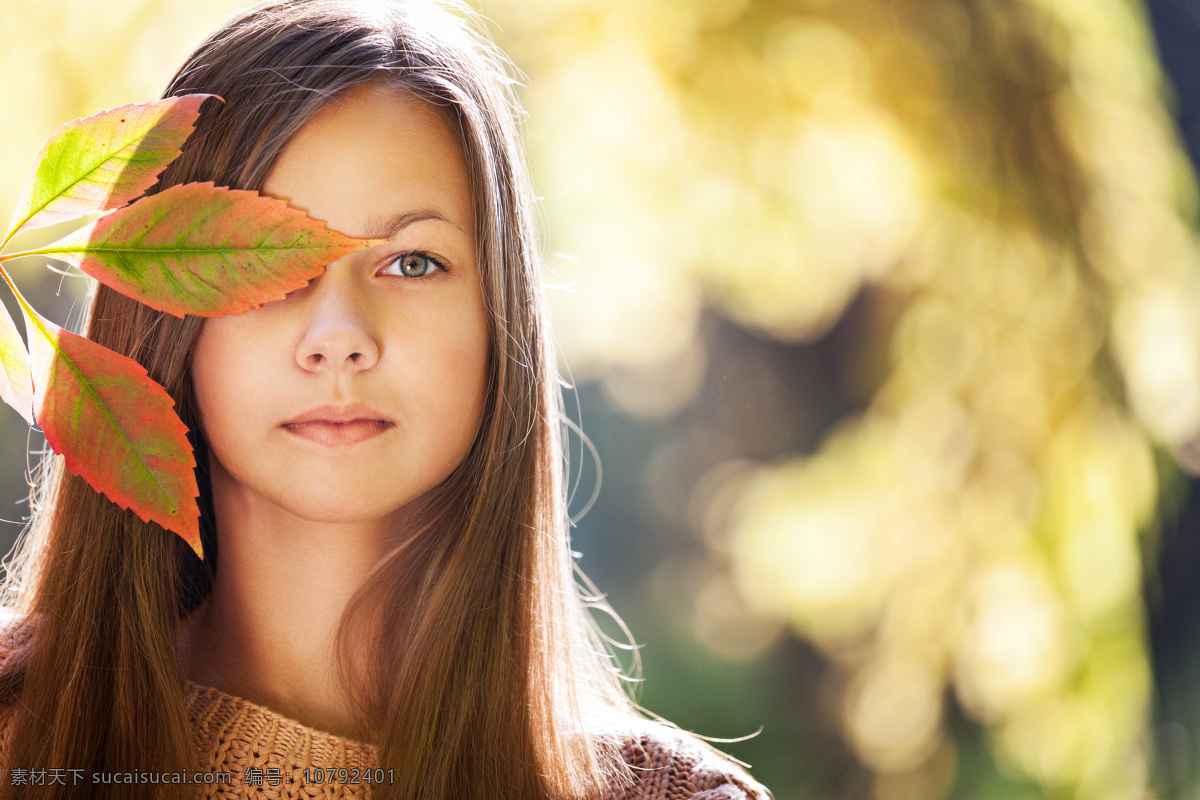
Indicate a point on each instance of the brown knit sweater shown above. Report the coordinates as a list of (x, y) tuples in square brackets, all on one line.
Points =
[(247, 750), (236, 736)]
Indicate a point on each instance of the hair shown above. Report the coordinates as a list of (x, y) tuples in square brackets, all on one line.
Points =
[(500, 702)]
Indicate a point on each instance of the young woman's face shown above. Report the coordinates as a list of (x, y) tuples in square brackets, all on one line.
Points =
[(356, 394)]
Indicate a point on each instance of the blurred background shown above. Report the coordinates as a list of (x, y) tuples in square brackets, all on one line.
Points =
[(883, 318)]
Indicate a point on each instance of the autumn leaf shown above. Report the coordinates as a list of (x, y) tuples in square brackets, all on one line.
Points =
[(114, 427), (104, 161), (16, 384), (202, 250)]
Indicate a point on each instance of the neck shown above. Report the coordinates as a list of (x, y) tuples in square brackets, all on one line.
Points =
[(267, 630)]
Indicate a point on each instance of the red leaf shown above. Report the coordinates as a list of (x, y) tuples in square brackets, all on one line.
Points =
[(197, 249), (16, 384), (115, 427), (104, 161)]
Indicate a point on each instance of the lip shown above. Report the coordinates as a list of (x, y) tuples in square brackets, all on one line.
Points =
[(337, 425)]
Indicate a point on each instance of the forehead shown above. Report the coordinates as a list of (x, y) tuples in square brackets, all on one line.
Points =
[(371, 156)]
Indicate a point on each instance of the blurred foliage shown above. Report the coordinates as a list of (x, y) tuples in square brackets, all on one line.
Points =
[(1001, 181), (1007, 175)]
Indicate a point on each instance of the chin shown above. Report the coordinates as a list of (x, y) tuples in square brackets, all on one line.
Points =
[(317, 495), (343, 508)]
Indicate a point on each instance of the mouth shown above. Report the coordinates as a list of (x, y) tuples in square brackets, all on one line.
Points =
[(338, 424), (336, 433)]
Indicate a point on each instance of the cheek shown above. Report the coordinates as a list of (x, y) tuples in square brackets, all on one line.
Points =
[(220, 368), (459, 367), (208, 380)]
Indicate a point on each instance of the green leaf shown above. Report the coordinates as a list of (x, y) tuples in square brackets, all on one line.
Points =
[(104, 161), (202, 250), (16, 384), (114, 426)]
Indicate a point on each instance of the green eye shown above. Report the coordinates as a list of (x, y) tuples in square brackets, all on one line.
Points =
[(413, 265)]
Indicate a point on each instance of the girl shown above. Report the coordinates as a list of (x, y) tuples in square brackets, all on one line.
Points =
[(386, 606)]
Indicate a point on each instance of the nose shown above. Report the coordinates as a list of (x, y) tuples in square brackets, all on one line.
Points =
[(338, 334)]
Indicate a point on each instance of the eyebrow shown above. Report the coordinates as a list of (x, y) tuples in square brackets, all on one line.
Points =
[(386, 229)]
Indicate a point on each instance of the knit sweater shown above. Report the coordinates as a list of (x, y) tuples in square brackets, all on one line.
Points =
[(250, 741), (247, 750)]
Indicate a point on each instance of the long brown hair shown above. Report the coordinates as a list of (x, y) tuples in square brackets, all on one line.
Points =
[(497, 702)]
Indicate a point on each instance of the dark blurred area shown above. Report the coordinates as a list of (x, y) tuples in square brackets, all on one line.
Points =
[(1174, 592)]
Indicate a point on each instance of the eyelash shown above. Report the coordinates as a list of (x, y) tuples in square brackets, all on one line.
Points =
[(441, 267)]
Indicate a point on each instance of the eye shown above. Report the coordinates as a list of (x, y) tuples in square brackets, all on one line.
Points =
[(413, 265)]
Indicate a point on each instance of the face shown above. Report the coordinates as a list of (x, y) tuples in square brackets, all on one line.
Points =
[(360, 392)]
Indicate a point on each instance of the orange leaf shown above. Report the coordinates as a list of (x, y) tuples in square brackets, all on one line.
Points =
[(202, 250), (104, 161), (114, 426)]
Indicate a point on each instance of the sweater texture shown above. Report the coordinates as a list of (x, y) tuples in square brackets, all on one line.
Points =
[(247, 750), (250, 742)]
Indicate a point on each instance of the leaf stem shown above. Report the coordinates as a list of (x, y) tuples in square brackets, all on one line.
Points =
[(21, 253), (12, 232), (30, 314)]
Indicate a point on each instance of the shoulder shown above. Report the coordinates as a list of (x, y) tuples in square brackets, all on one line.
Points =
[(10, 627), (15, 631), (666, 763)]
